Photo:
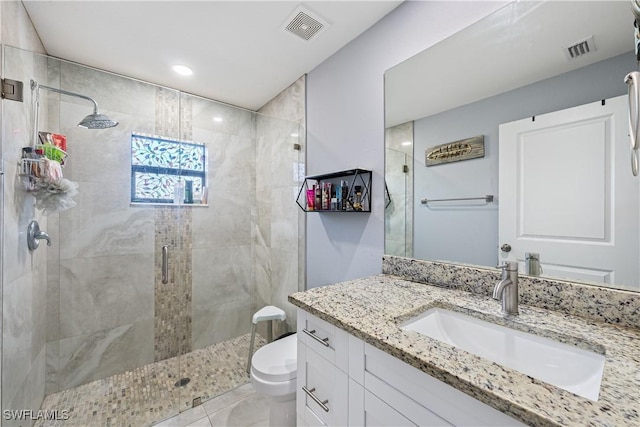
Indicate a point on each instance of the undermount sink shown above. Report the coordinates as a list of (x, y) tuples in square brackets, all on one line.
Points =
[(570, 368)]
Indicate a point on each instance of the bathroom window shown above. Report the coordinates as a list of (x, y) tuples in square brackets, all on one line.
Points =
[(159, 163)]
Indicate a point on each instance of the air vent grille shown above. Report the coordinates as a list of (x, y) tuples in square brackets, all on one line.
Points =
[(303, 24), (581, 48)]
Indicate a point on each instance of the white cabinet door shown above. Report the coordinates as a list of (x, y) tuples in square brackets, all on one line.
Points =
[(322, 390), (566, 192)]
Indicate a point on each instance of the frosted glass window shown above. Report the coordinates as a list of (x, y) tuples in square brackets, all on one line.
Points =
[(158, 163)]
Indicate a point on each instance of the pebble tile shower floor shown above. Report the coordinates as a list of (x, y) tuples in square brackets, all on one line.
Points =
[(148, 394)]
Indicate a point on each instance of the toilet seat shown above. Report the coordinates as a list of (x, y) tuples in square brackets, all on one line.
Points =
[(276, 361)]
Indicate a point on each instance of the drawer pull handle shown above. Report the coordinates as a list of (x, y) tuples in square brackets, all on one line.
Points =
[(323, 404), (312, 334)]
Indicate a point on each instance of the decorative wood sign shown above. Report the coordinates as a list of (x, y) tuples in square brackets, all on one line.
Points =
[(464, 149)]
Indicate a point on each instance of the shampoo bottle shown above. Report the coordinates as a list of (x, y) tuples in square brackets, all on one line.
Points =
[(178, 192)]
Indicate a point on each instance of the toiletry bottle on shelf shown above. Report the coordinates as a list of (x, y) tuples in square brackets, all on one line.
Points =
[(344, 191), (338, 197), (311, 198), (318, 203), (357, 202), (205, 196), (188, 192), (326, 196), (178, 192)]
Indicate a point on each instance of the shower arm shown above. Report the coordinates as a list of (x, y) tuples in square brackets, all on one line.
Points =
[(35, 86)]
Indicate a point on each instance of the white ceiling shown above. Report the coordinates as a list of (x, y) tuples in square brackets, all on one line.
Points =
[(237, 50)]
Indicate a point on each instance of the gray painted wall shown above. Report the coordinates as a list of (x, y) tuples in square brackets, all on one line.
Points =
[(345, 128), (468, 232)]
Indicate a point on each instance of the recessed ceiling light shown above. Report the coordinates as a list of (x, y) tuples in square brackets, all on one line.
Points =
[(183, 70), (406, 143), (217, 119), (294, 135)]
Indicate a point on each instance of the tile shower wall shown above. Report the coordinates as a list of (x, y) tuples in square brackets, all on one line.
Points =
[(102, 299), (23, 273), (222, 242), (108, 308), (278, 180)]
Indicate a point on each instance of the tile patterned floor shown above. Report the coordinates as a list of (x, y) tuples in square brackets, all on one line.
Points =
[(148, 394)]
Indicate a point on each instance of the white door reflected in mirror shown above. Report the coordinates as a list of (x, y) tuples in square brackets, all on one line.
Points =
[(567, 194)]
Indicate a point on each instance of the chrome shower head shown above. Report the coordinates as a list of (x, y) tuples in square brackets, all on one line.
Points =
[(97, 121), (92, 121)]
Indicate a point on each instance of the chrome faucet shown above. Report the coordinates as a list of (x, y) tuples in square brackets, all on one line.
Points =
[(507, 288)]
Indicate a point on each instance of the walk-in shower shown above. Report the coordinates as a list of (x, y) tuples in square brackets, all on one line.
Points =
[(91, 313)]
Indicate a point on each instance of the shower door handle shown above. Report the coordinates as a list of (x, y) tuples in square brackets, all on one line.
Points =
[(165, 264)]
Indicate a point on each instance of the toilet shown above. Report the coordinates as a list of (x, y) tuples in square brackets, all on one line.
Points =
[(273, 374)]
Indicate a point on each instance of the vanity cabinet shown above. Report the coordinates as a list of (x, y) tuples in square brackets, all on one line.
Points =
[(322, 381), (362, 385)]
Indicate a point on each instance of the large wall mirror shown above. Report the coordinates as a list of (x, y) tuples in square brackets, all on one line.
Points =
[(529, 69)]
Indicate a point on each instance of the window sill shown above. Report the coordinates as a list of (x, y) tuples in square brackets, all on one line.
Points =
[(169, 205)]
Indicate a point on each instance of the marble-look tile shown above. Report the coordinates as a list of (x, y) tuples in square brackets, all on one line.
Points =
[(21, 32), (100, 155), (231, 163), (229, 398), (104, 292), (284, 214), (98, 355), (223, 274), (103, 224), (52, 364), (112, 92), (253, 410), (220, 322), (284, 283), (53, 300), (186, 418), (289, 104), (235, 121), (226, 222), (30, 394), (262, 275), (202, 422), (18, 330)]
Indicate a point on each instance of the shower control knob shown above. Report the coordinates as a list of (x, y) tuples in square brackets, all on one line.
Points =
[(505, 248)]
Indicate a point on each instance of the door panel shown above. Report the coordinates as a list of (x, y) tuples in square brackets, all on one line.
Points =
[(567, 193)]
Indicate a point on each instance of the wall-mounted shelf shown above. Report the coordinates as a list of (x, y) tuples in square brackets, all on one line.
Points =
[(342, 191)]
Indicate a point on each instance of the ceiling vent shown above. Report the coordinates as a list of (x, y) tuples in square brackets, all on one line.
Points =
[(581, 48), (304, 24)]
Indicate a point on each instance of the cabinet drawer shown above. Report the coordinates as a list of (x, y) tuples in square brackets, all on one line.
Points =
[(436, 396), (325, 339), (412, 412), (378, 413), (322, 389)]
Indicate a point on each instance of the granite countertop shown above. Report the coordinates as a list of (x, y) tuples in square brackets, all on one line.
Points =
[(372, 309)]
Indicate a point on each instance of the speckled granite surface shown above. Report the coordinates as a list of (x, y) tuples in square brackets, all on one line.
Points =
[(600, 304), (372, 308)]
